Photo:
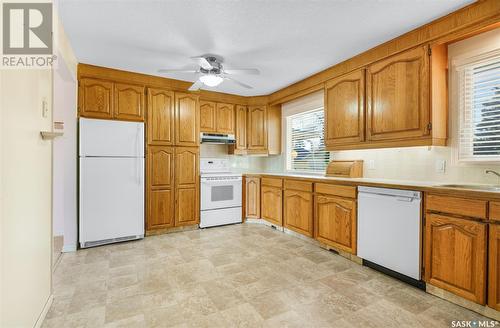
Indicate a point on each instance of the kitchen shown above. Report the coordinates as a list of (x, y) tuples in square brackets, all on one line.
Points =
[(209, 193)]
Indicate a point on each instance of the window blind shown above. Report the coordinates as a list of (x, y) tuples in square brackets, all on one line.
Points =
[(479, 106), (306, 143)]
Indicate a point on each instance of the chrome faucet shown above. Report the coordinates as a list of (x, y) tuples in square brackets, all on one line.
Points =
[(492, 172)]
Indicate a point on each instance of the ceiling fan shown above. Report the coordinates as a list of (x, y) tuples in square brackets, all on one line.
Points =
[(213, 73)]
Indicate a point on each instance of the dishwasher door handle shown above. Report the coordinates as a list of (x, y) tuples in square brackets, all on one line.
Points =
[(404, 199)]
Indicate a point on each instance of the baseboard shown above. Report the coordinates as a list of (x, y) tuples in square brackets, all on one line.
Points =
[(44, 312), (68, 248)]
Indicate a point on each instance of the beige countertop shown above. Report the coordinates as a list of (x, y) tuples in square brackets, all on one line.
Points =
[(428, 186)]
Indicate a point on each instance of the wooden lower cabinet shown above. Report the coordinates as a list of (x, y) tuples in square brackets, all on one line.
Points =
[(271, 204), (335, 222), (186, 206), (161, 209), (455, 255), (252, 192), (493, 261), (298, 211)]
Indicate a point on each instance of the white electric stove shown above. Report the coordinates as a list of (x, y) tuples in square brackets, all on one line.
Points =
[(220, 193)]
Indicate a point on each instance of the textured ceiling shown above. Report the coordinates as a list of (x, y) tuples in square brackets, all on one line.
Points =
[(287, 40)]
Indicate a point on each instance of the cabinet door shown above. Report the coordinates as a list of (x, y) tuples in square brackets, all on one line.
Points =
[(257, 128), (241, 127), (186, 166), (271, 204), (345, 109), (160, 203), (225, 118), (335, 221), (494, 272), (129, 102), (298, 211), (186, 206), (398, 96), (160, 124), (207, 116), (95, 98), (187, 120), (253, 197), (186, 186), (455, 256)]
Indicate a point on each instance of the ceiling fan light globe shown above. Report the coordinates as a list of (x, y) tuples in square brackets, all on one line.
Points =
[(211, 80)]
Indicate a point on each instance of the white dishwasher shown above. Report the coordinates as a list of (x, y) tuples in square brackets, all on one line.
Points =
[(389, 235)]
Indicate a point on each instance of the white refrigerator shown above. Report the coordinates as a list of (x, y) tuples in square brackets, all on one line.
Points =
[(111, 181)]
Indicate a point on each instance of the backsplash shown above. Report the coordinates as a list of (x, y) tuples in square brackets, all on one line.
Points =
[(250, 164), (419, 163)]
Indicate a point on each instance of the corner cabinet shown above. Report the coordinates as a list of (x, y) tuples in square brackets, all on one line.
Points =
[(257, 128), (252, 195), (398, 96), (345, 109), (271, 198), (187, 120)]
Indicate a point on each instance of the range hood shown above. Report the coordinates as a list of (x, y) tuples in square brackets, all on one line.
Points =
[(217, 138)]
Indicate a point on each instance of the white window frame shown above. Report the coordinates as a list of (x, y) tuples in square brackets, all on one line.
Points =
[(459, 67), (288, 142)]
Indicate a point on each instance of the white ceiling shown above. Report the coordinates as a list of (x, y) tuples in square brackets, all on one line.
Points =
[(287, 40)]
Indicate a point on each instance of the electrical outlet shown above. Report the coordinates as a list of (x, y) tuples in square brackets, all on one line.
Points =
[(371, 164), (440, 166)]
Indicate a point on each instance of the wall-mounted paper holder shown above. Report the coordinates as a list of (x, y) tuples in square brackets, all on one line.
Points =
[(57, 131)]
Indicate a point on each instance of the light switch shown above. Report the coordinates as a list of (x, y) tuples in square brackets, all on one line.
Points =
[(45, 108)]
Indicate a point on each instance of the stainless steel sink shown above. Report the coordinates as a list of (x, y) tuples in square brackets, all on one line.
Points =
[(471, 186)]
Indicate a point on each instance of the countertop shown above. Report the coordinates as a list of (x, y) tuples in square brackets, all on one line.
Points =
[(426, 186)]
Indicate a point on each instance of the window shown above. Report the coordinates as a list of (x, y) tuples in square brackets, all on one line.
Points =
[(305, 144), (479, 108)]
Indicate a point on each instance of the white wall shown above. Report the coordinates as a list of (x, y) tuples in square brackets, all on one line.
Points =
[(65, 147), (25, 196)]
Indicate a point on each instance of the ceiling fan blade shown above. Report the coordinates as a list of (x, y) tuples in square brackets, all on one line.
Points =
[(203, 62), (238, 82), (177, 71), (248, 71), (196, 86)]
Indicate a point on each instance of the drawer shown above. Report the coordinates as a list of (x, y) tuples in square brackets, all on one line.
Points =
[(454, 205), (272, 182), (495, 211), (299, 185), (336, 190)]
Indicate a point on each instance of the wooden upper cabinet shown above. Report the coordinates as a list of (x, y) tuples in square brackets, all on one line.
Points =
[(397, 92), (241, 127), (225, 118), (345, 109), (298, 211), (271, 204), (257, 128), (335, 221), (187, 120), (252, 197), (494, 272), (95, 98), (129, 102), (160, 123), (186, 166), (207, 116), (455, 255), (160, 167)]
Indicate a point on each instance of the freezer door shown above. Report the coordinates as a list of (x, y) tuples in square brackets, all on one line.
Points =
[(106, 138), (111, 198)]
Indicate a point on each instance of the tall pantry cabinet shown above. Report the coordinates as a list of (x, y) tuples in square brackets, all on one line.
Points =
[(172, 150)]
